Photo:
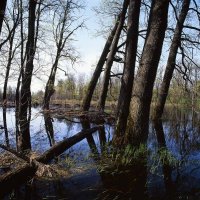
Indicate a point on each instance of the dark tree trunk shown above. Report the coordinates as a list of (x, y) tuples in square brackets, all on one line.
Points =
[(3, 4), (21, 76), (26, 81), (138, 123), (129, 69), (110, 59), (171, 62), (98, 70)]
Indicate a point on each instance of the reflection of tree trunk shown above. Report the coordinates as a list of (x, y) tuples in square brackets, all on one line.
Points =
[(86, 125), (167, 169), (17, 100), (26, 81), (98, 70), (2, 12), (5, 126), (110, 59), (49, 128), (138, 123), (102, 138), (128, 182), (129, 68), (171, 62)]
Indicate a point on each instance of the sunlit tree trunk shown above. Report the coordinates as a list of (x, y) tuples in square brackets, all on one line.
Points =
[(138, 122), (110, 59), (90, 90), (171, 62), (129, 68)]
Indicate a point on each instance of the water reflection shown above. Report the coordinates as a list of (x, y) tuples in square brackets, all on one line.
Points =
[(49, 128), (178, 134), (5, 127), (166, 167)]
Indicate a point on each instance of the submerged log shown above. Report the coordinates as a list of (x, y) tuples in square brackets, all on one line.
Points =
[(22, 174)]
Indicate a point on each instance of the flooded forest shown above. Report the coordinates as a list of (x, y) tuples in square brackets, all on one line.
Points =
[(130, 129)]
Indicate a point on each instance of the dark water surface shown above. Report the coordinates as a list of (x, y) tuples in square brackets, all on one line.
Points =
[(179, 178)]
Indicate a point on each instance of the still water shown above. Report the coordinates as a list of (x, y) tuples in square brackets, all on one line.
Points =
[(179, 179)]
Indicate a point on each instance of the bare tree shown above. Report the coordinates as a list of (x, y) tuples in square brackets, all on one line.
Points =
[(62, 37), (111, 56), (171, 62)]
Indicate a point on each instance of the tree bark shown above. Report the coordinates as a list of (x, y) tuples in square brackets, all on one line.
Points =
[(90, 90), (26, 81), (138, 122), (3, 4), (129, 69), (110, 59), (171, 62)]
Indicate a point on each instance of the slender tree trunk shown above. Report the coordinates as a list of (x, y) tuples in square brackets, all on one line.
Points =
[(3, 4), (26, 81), (49, 89), (138, 123), (10, 56), (90, 90), (129, 68), (163, 92), (110, 59)]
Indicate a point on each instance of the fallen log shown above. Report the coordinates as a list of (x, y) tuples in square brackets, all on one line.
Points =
[(20, 175), (60, 147)]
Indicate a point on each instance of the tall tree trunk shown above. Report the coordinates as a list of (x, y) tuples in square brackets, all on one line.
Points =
[(129, 68), (138, 123), (3, 4), (163, 92), (110, 59), (26, 81), (90, 90)]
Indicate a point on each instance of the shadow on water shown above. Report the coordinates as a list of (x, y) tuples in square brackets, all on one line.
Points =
[(169, 170)]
